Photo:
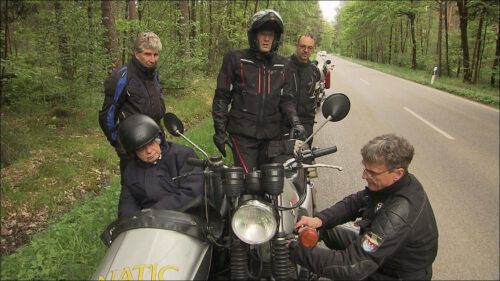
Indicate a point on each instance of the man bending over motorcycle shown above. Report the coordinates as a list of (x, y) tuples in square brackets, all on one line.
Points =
[(147, 181), (397, 237)]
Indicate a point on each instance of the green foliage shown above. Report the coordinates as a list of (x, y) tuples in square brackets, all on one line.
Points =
[(70, 247)]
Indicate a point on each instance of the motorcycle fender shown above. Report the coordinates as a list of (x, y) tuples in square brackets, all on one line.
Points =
[(155, 254)]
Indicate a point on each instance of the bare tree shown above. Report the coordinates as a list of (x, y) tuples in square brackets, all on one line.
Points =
[(63, 45), (477, 46), (440, 35), (496, 62), (132, 10), (464, 15), (110, 41), (184, 34)]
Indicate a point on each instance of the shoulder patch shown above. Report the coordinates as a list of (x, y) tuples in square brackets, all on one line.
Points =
[(370, 242)]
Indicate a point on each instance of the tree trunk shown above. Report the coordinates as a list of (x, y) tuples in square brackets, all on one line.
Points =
[(255, 7), (439, 44), (390, 44), (463, 13), (90, 49), (62, 44), (447, 62), (184, 35), (477, 47), (192, 21), (411, 16), (111, 41), (132, 10), (496, 62)]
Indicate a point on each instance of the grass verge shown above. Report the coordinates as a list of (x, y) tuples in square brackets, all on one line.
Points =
[(482, 93)]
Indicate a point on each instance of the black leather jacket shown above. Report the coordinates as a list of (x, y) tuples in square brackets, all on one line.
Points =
[(259, 90), (142, 94), (151, 185), (398, 235), (306, 75)]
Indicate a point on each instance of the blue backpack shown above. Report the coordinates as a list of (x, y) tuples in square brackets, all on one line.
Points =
[(112, 114)]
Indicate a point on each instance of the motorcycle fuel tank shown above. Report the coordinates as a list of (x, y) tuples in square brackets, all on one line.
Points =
[(155, 254)]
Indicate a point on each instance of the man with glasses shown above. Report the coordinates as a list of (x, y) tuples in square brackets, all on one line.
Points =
[(395, 237), (306, 75)]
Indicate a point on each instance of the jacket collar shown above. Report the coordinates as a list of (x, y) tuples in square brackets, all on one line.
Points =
[(391, 189)]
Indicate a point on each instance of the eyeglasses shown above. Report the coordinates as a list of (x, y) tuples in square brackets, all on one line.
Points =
[(304, 47), (373, 174)]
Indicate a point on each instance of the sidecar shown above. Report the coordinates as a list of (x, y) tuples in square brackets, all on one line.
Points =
[(156, 245)]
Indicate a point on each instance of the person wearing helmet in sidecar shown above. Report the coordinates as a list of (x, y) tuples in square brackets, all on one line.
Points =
[(147, 182), (254, 88)]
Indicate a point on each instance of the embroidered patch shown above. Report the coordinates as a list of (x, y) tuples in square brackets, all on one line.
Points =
[(371, 241)]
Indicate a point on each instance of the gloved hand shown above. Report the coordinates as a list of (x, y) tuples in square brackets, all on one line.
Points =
[(298, 132), (220, 141)]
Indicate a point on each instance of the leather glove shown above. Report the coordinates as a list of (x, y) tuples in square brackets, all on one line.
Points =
[(220, 141), (298, 132)]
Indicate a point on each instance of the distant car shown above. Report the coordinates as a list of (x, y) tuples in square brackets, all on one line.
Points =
[(322, 53)]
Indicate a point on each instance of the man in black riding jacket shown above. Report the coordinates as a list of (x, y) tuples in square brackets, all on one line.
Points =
[(141, 92), (148, 181), (396, 237), (306, 75), (254, 89)]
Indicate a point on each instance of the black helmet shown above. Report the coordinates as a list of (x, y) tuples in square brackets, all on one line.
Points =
[(137, 131), (265, 19)]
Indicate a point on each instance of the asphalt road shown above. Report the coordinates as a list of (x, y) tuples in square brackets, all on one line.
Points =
[(456, 158)]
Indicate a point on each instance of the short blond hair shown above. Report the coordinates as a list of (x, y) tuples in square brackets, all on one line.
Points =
[(147, 40)]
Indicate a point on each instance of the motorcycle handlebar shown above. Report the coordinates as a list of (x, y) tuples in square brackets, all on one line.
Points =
[(316, 153), (197, 162)]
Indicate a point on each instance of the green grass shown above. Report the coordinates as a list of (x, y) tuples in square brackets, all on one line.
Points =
[(482, 93), (71, 165), (70, 247)]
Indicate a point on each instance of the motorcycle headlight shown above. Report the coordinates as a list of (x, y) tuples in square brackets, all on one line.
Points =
[(254, 222)]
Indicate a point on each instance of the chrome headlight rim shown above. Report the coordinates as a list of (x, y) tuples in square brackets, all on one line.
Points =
[(254, 222)]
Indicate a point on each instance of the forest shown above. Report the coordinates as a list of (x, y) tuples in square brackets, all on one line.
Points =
[(55, 56)]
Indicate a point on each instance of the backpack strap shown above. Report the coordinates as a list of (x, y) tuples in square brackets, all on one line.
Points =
[(112, 114)]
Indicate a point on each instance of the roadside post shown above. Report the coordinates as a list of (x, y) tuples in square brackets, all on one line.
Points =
[(434, 71)]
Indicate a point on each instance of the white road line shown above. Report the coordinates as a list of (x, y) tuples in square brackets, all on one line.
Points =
[(364, 81), (430, 124)]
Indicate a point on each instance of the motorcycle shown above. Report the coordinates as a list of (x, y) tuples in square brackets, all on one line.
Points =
[(324, 82), (237, 230)]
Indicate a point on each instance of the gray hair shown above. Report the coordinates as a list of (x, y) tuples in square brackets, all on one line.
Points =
[(391, 150), (147, 40)]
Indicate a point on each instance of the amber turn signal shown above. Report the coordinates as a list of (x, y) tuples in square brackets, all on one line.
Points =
[(308, 237)]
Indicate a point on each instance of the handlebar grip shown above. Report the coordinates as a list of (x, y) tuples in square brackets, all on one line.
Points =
[(197, 162), (323, 151)]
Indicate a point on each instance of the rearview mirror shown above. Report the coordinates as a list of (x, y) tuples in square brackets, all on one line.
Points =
[(336, 106), (173, 124)]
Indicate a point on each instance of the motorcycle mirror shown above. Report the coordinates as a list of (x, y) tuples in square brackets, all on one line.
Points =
[(173, 124), (336, 107), (328, 61), (315, 62)]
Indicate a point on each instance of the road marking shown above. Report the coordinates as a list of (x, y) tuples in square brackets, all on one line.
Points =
[(364, 81), (430, 124)]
